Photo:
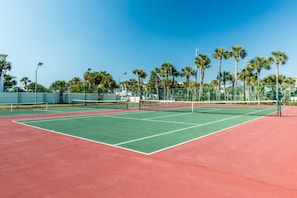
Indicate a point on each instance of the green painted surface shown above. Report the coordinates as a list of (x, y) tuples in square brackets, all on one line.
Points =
[(143, 131)]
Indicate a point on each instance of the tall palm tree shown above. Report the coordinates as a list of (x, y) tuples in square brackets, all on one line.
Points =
[(291, 83), (25, 80), (226, 76), (105, 80), (167, 70), (174, 74), (140, 74), (156, 79), (237, 52), (246, 75), (278, 57), (270, 82), (202, 62), (9, 80), (258, 64), (219, 54), (187, 72), (4, 66)]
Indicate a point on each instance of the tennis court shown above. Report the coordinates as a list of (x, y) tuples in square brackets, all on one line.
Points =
[(157, 127), (156, 150)]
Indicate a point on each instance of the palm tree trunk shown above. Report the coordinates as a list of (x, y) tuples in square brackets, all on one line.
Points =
[(138, 88), (258, 87), (219, 81), (201, 83), (235, 78), (276, 87)]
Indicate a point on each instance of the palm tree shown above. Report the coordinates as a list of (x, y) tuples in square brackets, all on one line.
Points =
[(174, 74), (156, 78), (278, 57), (291, 83), (202, 62), (25, 80), (140, 74), (270, 82), (60, 84), (226, 76), (258, 64), (75, 84), (167, 70), (105, 80), (236, 52), (219, 54), (187, 72), (247, 76), (9, 81), (4, 66)]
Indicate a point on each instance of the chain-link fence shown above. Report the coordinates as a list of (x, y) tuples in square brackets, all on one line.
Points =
[(250, 93)]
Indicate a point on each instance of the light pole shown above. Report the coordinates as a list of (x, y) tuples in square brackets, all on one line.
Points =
[(39, 64)]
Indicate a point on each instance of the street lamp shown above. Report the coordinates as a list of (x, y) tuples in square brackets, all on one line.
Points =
[(39, 64)]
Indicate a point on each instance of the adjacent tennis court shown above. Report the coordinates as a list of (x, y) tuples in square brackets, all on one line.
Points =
[(165, 125)]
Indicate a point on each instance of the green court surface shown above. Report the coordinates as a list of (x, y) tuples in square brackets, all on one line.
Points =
[(146, 132)]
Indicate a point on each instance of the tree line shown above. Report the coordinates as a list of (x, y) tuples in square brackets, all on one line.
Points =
[(164, 77)]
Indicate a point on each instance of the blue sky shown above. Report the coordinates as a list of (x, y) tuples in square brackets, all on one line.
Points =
[(119, 36)]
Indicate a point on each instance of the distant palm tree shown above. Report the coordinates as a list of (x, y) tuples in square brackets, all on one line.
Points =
[(156, 79), (174, 74), (203, 62), (226, 76), (167, 70), (105, 80), (278, 57), (270, 82), (9, 80), (237, 52), (187, 72), (4, 66), (247, 76), (25, 80), (140, 74), (258, 64), (58, 85), (291, 83), (219, 54)]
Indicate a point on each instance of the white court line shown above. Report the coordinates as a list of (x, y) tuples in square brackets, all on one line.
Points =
[(148, 119), (165, 116)]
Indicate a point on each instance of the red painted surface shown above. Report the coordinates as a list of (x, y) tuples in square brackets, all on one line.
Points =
[(256, 159)]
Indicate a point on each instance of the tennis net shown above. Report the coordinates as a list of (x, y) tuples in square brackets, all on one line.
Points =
[(256, 108), (101, 104), (23, 106)]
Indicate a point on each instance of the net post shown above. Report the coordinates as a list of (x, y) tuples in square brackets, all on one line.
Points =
[(279, 108), (192, 106), (46, 106), (11, 107)]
